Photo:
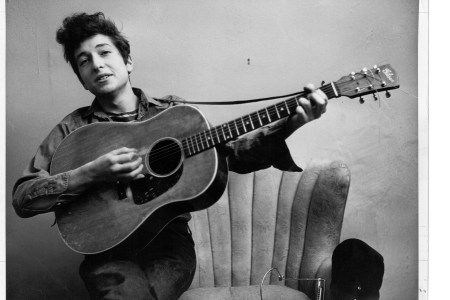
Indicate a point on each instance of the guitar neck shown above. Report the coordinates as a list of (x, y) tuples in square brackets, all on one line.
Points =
[(231, 130)]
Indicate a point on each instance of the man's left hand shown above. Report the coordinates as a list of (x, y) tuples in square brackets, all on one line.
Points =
[(311, 107)]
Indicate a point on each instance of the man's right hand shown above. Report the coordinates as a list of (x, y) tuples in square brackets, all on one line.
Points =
[(123, 164)]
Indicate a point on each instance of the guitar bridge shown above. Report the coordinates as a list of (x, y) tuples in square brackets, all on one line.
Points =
[(150, 187)]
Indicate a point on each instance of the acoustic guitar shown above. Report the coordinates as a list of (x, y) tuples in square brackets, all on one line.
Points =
[(183, 169)]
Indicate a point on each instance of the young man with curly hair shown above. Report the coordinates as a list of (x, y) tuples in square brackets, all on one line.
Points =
[(100, 57)]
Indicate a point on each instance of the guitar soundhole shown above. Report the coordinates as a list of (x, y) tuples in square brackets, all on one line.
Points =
[(164, 157)]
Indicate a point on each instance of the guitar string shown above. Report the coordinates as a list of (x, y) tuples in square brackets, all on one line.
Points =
[(201, 138), (202, 142), (197, 141), (167, 151), (163, 152), (255, 118)]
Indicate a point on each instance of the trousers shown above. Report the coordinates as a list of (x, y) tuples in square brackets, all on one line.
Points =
[(162, 270)]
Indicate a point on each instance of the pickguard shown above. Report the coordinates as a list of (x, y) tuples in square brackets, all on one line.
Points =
[(150, 187)]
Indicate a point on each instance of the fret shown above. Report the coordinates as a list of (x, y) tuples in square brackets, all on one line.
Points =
[(268, 115), (223, 134), (282, 110), (211, 138), (229, 135), (259, 118), (292, 104), (217, 135), (265, 116), (206, 139), (245, 122), (202, 142), (193, 149), (237, 129), (287, 107), (185, 146), (278, 113), (251, 122), (196, 143), (233, 128)]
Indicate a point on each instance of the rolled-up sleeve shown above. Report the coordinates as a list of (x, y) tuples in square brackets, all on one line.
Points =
[(261, 149), (36, 191)]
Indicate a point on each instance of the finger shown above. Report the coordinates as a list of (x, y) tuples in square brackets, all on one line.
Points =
[(135, 174), (126, 157), (309, 88), (300, 116), (305, 104), (123, 150), (322, 94), (129, 166), (318, 104)]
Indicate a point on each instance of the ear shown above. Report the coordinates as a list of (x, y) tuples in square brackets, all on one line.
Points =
[(129, 65)]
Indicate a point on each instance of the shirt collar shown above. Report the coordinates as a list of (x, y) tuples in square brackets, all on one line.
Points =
[(144, 103)]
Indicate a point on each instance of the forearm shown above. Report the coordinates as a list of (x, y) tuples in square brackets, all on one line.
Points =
[(261, 149), (39, 193), (80, 180)]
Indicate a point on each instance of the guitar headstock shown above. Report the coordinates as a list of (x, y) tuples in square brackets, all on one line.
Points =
[(377, 79)]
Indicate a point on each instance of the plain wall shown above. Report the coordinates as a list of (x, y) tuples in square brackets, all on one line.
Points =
[(228, 50)]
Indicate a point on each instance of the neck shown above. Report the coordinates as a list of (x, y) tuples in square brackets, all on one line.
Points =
[(119, 102)]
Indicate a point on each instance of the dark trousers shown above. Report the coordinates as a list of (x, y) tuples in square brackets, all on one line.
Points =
[(163, 270)]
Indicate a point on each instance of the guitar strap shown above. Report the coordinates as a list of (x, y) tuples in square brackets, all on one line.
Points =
[(229, 102)]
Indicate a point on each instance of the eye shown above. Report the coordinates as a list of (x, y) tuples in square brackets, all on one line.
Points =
[(105, 52), (82, 61)]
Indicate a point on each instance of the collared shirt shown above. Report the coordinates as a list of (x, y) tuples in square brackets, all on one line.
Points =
[(36, 191)]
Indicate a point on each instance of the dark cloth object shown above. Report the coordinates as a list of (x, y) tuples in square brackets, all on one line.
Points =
[(357, 271), (162, 270)]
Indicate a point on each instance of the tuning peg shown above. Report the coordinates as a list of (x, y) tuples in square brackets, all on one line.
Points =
[(364, 71), (388, 95), (375, 97), (361, 100), (352, 75), (377, 70)]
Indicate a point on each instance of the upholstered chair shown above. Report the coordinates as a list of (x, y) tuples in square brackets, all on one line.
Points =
[(270, 219)]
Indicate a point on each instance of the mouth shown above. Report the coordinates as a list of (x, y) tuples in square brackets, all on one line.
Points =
[(102, 77)]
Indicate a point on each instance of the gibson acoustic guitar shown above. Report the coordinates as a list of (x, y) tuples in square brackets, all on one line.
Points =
[(183, 170)]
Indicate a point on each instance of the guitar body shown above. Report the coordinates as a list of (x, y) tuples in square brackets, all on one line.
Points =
[(107, 214)]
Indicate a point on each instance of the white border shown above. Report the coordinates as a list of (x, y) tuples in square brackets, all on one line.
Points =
[(2, 150), (423, 148), (439, 159)]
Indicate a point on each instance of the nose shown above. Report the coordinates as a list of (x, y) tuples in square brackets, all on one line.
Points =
[(97, 62)]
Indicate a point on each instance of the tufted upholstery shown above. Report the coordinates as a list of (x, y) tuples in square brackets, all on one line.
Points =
[(291, 221)]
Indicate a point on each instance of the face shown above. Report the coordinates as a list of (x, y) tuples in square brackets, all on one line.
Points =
[(101, 66)]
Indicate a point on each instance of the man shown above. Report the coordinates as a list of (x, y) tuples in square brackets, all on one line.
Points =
[(100, 57)]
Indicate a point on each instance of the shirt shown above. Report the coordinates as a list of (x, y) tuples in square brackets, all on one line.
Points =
[(36, 191)]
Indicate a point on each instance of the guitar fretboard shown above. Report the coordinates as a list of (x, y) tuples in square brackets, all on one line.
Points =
[(231, 130)]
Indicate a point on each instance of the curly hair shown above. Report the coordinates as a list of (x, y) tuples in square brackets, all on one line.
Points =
[(78, 27)]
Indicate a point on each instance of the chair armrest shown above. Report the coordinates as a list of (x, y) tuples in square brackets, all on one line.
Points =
[(326, 212)]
